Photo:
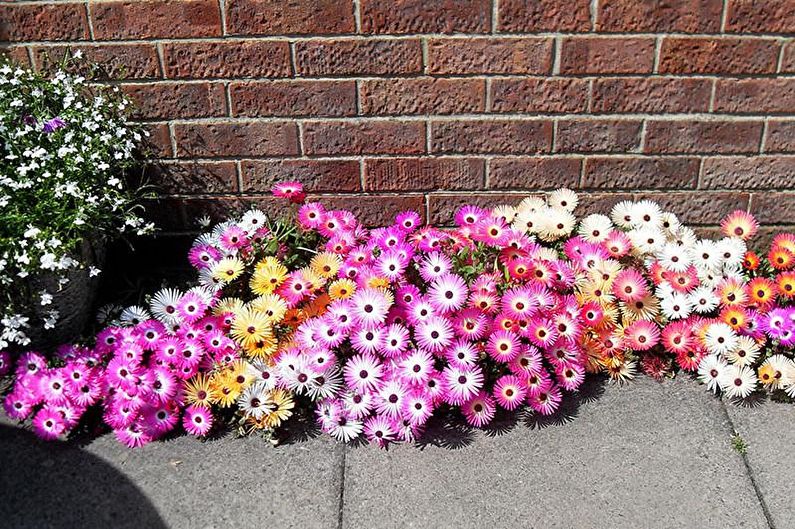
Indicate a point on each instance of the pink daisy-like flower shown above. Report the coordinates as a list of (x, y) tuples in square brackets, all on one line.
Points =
[(510, 392), (358, 405), (368, 339), (311, 215), (340, 313), (491, 231), (233, 238), (537, 382), (570, 376), (17, 406), (133, 436), (164, 384), (408, 220), (84, 394), (416, 367), (48, 423), (160, 419), (471, 324), (31, 363), (293, 191), (419, 311), (617, 244), (197, 420), (527, 361), (434, 387), (630, 286), (541, 332), (191, 307), (390, 399), (518, 303), (396, 340), (434, 334), (460, 384), (479, 410), (448, 293), (434, 266), (379, 430), (204, 256), (546, 401), (461, 354), (363, 373), (370, 306), (417, 407), (53, 386), (503, 346), (642, 335), (469, 215)]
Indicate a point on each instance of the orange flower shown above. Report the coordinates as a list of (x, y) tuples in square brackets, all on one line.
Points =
[(784, 240), (780, 258), (732, 292), (739, 224), (761, 291), (751, 261), (785, 282), (734, 317)]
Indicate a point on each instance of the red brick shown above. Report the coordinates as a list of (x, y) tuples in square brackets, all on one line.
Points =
[(129, 61), (713, 136), (780, 136), (358, 57), (221, 208), (158, 143), (718, 55), (423, 174), (375, 210), (293, 98), (280, 17), (637, 94), (168, 214), (774, 208), (751, 96), (640, 172), (788, 60), (186, 178), (519, 16), (539, 95), (18, 54), (486, 55), (155, 19), (644, 16), (31, 22), (596, 55), (246, 58), (491, 136), (443, 207), (236, 139), (370, 137), (760, 16), (534, 173), (590, 135), (317, 175), (740, 172), (426, 16), (422, 96), (174, 101)]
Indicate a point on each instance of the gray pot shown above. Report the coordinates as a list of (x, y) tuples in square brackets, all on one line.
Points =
[(74, 300)]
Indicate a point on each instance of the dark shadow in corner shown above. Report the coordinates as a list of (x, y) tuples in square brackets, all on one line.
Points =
[(60, 486)]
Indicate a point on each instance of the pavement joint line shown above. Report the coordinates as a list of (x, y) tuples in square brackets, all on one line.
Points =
[(341, 504), (749, 471)]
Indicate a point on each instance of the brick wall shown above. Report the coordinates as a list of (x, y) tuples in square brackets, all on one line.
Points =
[(381, 105)]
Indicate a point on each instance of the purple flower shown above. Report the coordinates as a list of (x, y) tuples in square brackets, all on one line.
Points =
[(53, 125)]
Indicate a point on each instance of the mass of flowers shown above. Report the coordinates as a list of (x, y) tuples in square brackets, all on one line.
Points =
[(373, 331), (65, 144)]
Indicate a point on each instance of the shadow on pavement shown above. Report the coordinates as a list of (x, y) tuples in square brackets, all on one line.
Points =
[(60, 486)]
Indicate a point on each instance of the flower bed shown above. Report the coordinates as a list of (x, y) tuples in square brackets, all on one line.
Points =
[(376, 330)]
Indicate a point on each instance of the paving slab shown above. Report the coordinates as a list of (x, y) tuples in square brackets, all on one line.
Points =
[(645, 455), (175, 484), (768, 428)]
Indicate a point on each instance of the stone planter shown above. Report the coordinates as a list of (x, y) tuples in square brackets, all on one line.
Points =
[(74, 300)]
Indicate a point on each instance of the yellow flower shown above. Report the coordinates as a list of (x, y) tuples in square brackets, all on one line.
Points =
[(228, 269), (226, 391), (279, 404), (267, 278), (227, 305), (199, 391), (316, 281), (272, 305), (378, 282), (326, 264), (341, 289), (241, 375), (251, 326)]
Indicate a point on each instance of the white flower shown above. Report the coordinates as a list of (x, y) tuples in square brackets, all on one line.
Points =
[(595, 228), (93, 271), (745, 352), (675, 305), (563, 198), (705, 255), (703, 300), (133, 315), (31, 232), (711, 370), (674, 257), (720, 338), (738, 382), (646, 214), (732, 252), (46, 298)]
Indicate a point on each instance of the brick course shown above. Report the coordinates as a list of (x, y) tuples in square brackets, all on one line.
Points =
[(388, 104)]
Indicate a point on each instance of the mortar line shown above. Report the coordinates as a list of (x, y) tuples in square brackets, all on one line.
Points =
[(31, 60), (357, 16), (557, 45), (763, 139), (424, 48), (712, 96), (89, 21), (780, 60), (657, 52), (228, 92), (594, 7), (724, 15), (239, 171), (554, 148), (161, 61), (341, 502), (749, 471), (642, 142), (495, 9), (489, 101)]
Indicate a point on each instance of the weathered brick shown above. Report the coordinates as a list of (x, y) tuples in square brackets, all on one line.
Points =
[(127, 61), (491, 136), (18, 54), (534, 173), (236, 58), (597, 135), (168, 214), (788, 60), (752, 96), (740, 172), (701, 207), (640, 172), (221, 208), (155, 19), (780, 135), (31, 22), (375, 210), (422, 96), (597, 55), (426, 16), (358, 57), (485, 55), (539, 95), (642, 16), (158, 144), (654, 95), (277, 17), (718, 55), (236, 139), (186, 178), (773, 207), (423, 174), (370, 137), (760, 16), (517, 16), (318, 176), (443, 207), (293, 98), (701, 136), (163, 101)]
